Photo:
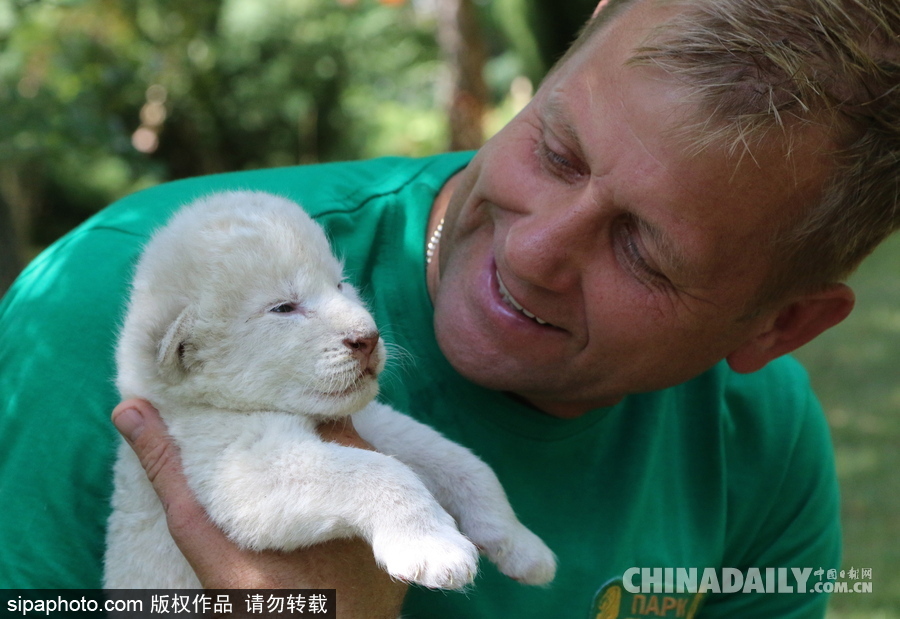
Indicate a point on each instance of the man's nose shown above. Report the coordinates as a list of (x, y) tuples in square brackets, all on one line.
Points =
[(551, 247), (361, 346)]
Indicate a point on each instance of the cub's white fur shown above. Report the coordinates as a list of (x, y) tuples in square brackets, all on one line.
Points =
[(241, 332)]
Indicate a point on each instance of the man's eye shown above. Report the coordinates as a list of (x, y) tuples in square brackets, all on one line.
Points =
[(628, 248), (555, 158), (284, 308), (559, 164)]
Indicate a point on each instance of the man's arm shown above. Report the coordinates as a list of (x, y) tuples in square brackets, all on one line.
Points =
[(363, 589)]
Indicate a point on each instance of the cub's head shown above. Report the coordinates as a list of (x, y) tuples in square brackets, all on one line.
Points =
[(239, 303)]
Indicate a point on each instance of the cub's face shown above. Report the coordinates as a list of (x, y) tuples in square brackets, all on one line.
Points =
[(279, 336)]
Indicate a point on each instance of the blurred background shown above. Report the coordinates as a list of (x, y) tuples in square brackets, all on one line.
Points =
[(101, 98)]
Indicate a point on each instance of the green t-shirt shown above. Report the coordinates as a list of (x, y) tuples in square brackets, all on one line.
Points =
[(725, 470)]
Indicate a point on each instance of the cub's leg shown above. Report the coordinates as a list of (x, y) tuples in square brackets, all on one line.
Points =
[(465, 486), (270, 483)]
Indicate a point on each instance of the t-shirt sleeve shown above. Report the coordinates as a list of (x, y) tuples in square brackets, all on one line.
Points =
[(794, 526)]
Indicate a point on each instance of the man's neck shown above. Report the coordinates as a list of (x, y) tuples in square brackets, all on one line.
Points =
[(563, 410)]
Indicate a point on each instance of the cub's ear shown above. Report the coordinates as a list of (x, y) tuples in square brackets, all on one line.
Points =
[(175, 348)]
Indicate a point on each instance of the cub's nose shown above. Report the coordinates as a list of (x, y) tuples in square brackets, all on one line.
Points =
[(362, 347)]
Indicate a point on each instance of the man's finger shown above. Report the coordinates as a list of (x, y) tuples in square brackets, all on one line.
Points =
[(342, 431), (144, 430), (142, 427)]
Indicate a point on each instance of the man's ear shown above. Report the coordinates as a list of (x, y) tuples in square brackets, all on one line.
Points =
[(175, 347), (794, 325)]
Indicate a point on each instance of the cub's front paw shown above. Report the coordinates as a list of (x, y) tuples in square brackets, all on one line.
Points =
[(522, 556), (442, 559)]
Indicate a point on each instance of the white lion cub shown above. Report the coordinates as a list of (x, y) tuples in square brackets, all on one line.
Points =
[(242, 333)]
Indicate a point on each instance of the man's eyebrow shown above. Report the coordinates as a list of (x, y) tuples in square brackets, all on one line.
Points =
[(555, 114)]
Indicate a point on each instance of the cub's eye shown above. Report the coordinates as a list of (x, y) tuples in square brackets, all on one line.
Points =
[(283, 308), (341, 286)]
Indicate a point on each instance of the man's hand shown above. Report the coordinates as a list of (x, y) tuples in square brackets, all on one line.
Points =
[(363, 589)]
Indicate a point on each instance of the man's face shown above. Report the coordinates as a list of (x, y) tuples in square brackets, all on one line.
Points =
[(588, 212)]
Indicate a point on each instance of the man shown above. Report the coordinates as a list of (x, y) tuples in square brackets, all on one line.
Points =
[(614, 278)]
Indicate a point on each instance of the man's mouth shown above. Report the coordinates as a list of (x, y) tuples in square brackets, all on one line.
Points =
[(511, 301)]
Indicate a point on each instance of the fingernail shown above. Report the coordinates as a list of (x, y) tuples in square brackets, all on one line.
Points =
[(130, 423)]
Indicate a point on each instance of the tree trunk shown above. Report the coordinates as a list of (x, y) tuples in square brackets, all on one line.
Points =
[(461, 40)]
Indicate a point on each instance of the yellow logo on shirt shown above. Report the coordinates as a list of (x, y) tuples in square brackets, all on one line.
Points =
[(614, 602)]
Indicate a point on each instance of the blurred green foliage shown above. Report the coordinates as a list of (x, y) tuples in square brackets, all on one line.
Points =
[(212, 85), (101, 98)]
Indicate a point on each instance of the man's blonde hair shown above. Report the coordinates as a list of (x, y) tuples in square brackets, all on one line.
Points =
[(760, 66)]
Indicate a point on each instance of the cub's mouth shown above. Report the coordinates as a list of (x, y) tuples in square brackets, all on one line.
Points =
[(361, 382)]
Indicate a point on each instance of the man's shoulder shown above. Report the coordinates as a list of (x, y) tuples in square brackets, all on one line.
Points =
[(776, 400), (772, 433), (758, 419), (319, 188), (781, 376), (780, 393)]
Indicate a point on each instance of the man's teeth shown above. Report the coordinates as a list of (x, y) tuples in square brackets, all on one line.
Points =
[(509, 299)]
